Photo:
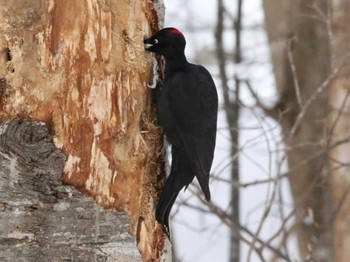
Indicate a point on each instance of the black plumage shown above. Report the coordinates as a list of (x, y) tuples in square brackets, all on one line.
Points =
[(187, 109)]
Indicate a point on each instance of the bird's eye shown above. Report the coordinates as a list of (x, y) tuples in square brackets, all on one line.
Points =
[(156, 41)]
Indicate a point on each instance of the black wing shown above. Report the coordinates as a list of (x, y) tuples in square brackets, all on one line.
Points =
[(194, 104)]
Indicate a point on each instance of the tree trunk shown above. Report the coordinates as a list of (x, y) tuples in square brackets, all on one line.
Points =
[(300, 54), (339, 126), (80, 67), (43, 220), (231, 106)]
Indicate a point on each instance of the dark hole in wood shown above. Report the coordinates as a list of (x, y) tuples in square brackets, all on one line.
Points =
[(8, 54), (8, 57)]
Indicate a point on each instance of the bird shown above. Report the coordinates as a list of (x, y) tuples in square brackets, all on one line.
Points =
[(187, 106)]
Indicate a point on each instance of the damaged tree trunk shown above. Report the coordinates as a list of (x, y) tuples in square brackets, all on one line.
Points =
[(80, 67)]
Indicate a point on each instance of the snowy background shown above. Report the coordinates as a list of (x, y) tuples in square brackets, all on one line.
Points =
[(201, 237)]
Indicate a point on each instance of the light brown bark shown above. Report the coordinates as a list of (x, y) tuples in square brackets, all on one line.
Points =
[(80, 66), (339, 126), (292, 25)]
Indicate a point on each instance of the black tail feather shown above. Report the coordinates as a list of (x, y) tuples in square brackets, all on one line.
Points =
[(205, 189), (165, 204), (180, 176)]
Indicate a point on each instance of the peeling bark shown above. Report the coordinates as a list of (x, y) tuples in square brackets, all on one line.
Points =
[(80, 67)]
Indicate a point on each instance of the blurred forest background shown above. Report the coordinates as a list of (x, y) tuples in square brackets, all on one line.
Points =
[(280, 179), (74, 101)]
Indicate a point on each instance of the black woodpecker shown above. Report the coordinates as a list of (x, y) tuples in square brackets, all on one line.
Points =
[(187, 109)]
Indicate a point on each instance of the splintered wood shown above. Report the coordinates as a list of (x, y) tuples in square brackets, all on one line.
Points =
[(80, 67)]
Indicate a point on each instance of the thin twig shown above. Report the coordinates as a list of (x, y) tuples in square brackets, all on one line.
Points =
[(225, 218), (312, 98), (294, 72)]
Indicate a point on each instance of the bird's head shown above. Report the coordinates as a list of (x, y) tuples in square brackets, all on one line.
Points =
[(167, 41)]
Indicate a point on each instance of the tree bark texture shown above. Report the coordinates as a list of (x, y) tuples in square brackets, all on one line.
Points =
[(301, 60), (43, 220), (339, 126), (80, 67)]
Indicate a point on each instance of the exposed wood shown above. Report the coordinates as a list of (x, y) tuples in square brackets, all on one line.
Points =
[(80, 67)]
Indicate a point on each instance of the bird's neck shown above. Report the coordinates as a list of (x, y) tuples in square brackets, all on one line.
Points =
[(174, 63)]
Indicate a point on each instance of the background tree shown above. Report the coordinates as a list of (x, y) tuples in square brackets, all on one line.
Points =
[(231, 107), (338, 128), (311, 60), (300, 54)]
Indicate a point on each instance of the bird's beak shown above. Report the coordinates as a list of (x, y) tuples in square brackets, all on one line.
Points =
[(148, 44)]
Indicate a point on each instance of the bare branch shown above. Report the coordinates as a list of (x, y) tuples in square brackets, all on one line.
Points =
[(294, 72), (225, 218)]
